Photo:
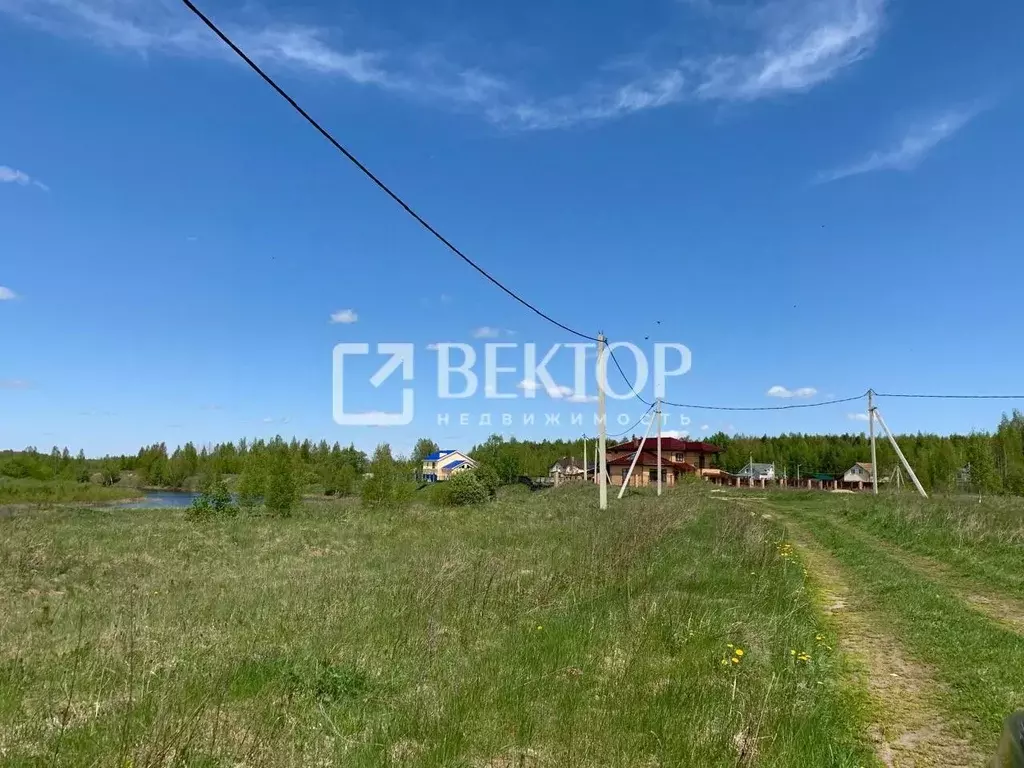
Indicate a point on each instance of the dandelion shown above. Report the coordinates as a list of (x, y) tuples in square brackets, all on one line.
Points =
[(739, 651), (539, 627), (725, 662), (792, 652), (819, 638), (735, 660), (728, 645)]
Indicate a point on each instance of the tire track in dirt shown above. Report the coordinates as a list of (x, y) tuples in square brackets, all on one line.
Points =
[(1003, 610), (909, 727)]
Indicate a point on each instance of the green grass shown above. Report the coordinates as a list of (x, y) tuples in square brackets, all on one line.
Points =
[(60, 492), (532, 631), (981, 539), (978, 659)]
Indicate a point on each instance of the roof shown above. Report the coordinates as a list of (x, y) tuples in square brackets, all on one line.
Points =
[(650, 459), (438, 455), (669, 444), (757, 466), (458, 463), (820, 476), (864, 464), (567, 462)]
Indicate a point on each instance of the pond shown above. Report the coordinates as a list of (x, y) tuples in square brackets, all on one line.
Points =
[(161, 499)]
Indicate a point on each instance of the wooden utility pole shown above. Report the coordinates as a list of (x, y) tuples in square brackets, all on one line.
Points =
[(584, 459), (636, 457), (896, 447), (657, 413), (871, 432), (602, 382)]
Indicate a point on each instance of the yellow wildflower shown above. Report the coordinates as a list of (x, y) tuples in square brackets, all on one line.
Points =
[(739, 651), (735, 660)]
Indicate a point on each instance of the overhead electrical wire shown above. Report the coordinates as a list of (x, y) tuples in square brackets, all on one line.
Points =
[(484, 273), (793, 406), (951, 397), (373, 177), (635, 425)]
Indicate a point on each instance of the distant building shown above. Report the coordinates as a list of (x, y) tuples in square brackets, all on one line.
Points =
[(858, 474), (441, 465), (678, 458), (756, 471), (567, 468)]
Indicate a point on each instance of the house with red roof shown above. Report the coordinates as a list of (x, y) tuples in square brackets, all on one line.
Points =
[(678, 458)]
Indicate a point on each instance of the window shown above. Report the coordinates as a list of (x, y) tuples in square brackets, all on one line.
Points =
[(678, 457), (625, 473)]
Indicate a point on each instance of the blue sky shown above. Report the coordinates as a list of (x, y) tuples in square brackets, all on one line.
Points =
[(814, 196)]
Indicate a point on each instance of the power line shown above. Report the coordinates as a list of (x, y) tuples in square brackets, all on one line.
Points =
[(635, 425), (370, 175), (952, 397), (636, 394), (764, 407)]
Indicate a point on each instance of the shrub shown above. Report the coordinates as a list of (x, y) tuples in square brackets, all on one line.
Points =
[(464, 488), (213, 501), (282, 492)]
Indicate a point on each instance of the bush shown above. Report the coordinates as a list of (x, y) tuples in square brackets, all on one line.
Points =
[(282, 492), (213, 501), (488, 477), (462, 489)]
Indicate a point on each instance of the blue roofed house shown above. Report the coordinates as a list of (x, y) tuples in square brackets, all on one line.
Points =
[(441, 465)]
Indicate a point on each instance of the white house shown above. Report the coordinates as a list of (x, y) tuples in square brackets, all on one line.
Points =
[(567, 468), (858, 474), (757, 471), (441, 465)]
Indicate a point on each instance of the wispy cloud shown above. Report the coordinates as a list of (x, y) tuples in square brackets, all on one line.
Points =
[(780, 391), (489, 332), (857, 416), (15, 384), (6, 294), (556, 391), (344, 317), (705, 427), (917, 142), (789, 46), (677, 434), (803, 45), (10, 175)]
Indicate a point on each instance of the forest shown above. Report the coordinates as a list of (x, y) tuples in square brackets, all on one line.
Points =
[(984, 462)]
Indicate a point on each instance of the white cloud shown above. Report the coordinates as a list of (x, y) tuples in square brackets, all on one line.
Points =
[(678, 435), (802, 392), (557, 391), (797, 45), (915, 145), (268, 420), (704, 427), (488, 332), (344, 316), (857, 416), (6, 294), (13, 176), (803, 45), (15, 384)]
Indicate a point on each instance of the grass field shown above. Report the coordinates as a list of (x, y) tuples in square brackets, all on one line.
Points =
[(59, 492), (697, 629)]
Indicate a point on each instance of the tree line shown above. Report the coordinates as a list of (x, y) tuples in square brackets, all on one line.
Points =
[(983, 462)]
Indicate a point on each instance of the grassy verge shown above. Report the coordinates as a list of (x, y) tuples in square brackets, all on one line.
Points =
[(533, 631), (982, 540), (60, 492), (976, 658)]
